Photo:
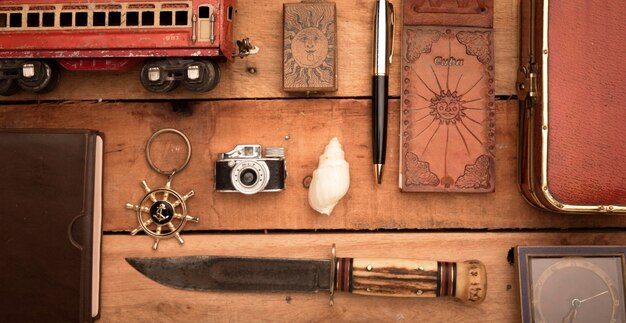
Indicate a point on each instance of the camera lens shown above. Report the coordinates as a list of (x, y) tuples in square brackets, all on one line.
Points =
[(248, 177)]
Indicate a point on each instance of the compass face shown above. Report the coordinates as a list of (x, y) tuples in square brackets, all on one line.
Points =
[(572, 284), (161, 212), (577, 289)]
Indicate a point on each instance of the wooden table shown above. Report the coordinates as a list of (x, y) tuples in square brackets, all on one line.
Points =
[(372, 220)]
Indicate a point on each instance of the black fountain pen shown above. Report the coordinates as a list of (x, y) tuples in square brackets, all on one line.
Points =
[(383, 48)]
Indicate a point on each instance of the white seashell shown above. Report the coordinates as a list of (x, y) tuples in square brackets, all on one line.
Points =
[(331, 179)]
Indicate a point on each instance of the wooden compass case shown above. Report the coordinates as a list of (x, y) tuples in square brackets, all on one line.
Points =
[(571, 88)]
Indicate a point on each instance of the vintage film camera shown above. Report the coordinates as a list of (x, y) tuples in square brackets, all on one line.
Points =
[(246, 171)]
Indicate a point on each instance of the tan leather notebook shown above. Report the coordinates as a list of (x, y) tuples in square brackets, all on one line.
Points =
[(447, 141), (51, 216)]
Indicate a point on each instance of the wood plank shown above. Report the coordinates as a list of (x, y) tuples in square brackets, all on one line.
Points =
[(263, 24), (216, 127), (127, 296)]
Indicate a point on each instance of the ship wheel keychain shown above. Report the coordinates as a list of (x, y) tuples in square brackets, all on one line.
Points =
[(162, 212)]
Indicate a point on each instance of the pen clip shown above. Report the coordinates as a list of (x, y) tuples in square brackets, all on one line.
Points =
[(391, 23)]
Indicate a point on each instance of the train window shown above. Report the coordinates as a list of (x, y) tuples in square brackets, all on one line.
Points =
[(132, 18), (3, 20), (65, 19), (115, 18), (47, 19), (32, 19), (181, 18), (147, 18), (16, 20), (81, 19), (165, 18), (99, 19), (205, 12), (229, 16)]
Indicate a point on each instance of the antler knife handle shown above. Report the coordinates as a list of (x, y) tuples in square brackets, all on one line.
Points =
[(412, 278)]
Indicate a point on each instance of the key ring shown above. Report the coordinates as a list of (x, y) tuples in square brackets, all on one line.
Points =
[(149, 158), (162, 212)]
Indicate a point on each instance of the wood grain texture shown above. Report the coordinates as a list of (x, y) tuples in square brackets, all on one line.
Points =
[(262, 22), (216, 127), (127, 296)]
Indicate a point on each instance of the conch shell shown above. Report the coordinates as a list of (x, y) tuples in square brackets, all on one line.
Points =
[(331, 179)]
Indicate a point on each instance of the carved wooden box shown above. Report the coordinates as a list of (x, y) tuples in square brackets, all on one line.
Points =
[(309, 47), (571, 87), (447, 104)]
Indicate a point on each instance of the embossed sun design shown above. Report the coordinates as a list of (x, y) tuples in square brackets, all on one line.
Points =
[(308, 55), (448, 108), (455, 111)]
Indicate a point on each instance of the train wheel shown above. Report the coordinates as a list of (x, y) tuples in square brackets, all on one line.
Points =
[(8, 87), (154, 79), (39, 76), (202, 76)]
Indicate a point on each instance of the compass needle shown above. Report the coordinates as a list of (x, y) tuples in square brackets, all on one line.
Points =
[(594, 296)]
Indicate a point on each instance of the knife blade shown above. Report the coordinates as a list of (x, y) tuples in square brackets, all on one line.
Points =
[(395, 277), (207, 273)]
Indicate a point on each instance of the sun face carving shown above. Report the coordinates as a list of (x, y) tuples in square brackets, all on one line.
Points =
[(309, 48), (447, 107), (309, 42)]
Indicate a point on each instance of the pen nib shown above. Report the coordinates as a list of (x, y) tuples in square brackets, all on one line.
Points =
[(378, 172)]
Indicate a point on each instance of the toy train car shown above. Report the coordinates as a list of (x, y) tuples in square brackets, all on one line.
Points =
[(176, 41)]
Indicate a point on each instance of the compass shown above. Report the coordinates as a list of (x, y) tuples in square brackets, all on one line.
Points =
[(572, 284), (162, 212)]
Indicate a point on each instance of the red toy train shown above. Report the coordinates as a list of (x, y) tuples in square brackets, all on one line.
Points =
[(177, 41)]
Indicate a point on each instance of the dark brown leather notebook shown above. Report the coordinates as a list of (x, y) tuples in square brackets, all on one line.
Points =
[(447, 141), (51, 218)]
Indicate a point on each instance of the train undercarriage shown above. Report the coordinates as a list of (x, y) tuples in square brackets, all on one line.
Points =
[(157, 75)]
